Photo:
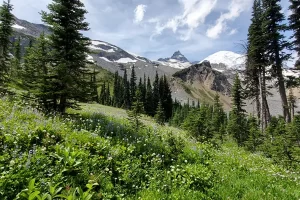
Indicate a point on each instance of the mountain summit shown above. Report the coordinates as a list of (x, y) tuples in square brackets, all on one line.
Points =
[(179, 56), (178, 60)]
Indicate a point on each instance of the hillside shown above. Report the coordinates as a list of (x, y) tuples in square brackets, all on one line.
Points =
[(59, 156)]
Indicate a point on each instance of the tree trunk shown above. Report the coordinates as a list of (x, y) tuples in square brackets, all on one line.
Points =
[(62, 104)]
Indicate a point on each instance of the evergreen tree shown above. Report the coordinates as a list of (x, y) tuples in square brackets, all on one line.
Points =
[(218, 118), (273, 25), (132, 84), (126, 94), (149, 99), (156, 91), (136, 110), (69, 48), (103, 93), (16, 62), (116, 93), (294, 20), (6, 22), (292, 102), (167, 99), (107, 96), (254, 139), (160, 114), (255, 78), (237, 121), (94, 87), (37, 76)]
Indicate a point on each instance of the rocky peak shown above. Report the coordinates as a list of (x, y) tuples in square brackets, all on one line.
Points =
[(203, 74), (176, 56), (179, 56)]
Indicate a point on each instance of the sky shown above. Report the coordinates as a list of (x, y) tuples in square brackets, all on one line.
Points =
[(157, 28)]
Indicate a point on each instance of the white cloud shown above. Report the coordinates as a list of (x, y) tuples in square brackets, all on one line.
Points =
[(194, 15), (139, 13), (236, 7), (233, 32)]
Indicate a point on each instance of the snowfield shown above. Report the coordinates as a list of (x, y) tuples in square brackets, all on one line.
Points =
[(230, 59), (16, 26)]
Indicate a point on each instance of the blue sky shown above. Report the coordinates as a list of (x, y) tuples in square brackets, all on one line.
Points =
[(158, 28)]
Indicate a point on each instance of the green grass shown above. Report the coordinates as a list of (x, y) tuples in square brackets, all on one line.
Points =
[(99, 148)]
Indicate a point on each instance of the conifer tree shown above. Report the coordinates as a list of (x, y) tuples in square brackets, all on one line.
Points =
[(273, 25), (69, 49), (256, 62), (37, 76), (116, 96), (167, 99), (149, 99), (103, 93), (126, 94), (94, 87), (292, 102), (254, 138), (16, 61), (219, 116), (156, 92), (133, 87), (294, 20), (237, 121), (160, 114), (136, 110), (6, 22)]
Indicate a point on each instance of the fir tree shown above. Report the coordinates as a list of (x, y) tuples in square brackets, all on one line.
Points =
[(167, 99), (254, 138), (132, 84), (6, 22), (156, 91), (69, 48), (126, 94), (149, 99), (292, 102), (136, 110), (237, 121), (294, 20), (276, 45), (255, 78), (37, 77), (160, 114), (218, 118), (16, 67)]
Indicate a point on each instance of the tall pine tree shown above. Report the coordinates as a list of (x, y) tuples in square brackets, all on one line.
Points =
[(69, 49), (294, 20), (6, 22), (273, 26)]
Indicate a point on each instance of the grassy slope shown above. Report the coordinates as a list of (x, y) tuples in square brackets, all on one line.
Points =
[(153, 163)]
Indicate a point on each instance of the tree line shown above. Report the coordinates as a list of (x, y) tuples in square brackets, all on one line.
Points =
[(155, 97)]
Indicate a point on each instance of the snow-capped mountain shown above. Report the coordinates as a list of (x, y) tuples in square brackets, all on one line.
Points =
[(224, 60), (177, 60)]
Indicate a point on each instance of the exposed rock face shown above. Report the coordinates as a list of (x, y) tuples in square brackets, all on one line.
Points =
[(203, 74)]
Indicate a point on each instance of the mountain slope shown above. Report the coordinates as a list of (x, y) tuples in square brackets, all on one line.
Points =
[(224, 60)]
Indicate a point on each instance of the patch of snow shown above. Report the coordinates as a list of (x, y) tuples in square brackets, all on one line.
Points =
[(103, 58), (125, 60), (220, 70), (89, 58), (99, 48), (292, 73), (96, 43), (230, 59), (175, 64), (16, 26)]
